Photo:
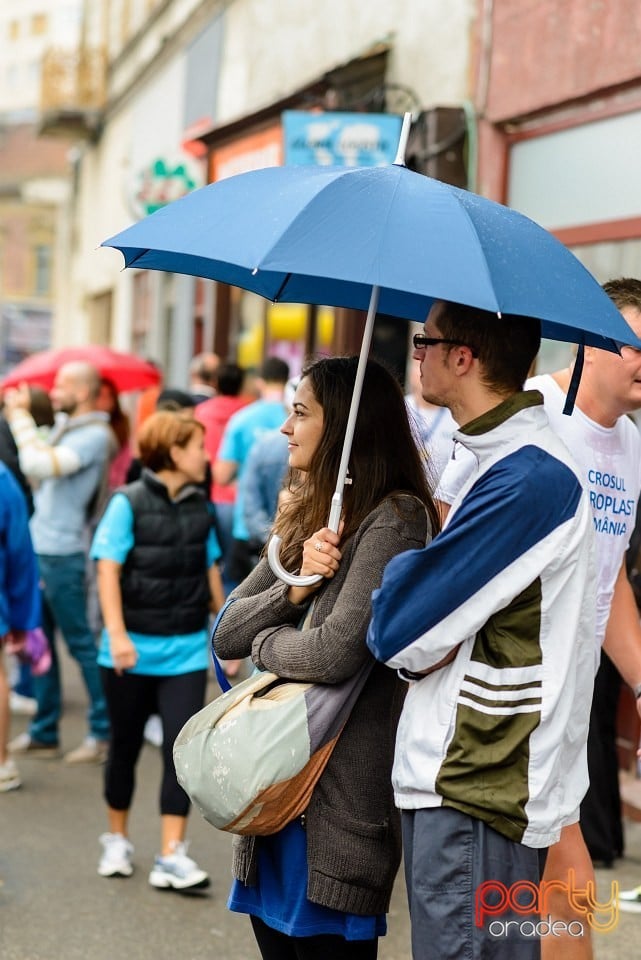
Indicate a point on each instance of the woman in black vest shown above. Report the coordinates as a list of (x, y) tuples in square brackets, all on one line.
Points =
[(158, 580)]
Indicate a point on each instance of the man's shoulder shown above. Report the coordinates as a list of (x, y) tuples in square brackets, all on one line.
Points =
[(261, 414), (244, 416), (93, 429)]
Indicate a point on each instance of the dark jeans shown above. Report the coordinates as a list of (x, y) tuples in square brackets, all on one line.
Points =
[(601, 817), (224, 522), (24, 683), (132, 698), (450, 858), (278, 946), (64, 605)]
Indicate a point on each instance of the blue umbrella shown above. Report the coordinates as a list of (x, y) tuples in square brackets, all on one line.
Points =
[(327, 235), (374, 238)]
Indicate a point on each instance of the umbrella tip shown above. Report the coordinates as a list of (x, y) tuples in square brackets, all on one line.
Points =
[(399, 160)]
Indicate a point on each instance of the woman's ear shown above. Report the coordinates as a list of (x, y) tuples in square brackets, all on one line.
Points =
[(175, 452)]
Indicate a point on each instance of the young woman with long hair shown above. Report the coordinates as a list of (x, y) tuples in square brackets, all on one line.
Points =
[(321, 886)]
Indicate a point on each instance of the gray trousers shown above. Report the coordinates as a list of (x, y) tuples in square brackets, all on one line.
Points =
[(456, 914)]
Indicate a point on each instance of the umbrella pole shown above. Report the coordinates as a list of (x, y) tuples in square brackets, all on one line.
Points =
[(273, 550), (337, 500)]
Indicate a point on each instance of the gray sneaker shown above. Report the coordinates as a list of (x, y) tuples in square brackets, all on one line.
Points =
[(177, 871), (24, 743), (89, 751)]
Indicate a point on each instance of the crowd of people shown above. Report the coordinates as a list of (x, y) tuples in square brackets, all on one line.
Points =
[(479, 566), (118, 543)]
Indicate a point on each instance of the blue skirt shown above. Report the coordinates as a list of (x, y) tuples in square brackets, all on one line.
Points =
[(279, 898)]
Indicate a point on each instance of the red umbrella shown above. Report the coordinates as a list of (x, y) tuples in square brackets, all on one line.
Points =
[(126, 370)]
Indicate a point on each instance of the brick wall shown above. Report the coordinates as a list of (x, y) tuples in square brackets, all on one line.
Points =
[(548, 52)]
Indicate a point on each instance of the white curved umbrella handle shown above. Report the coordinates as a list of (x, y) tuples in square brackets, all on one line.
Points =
[(293, 579), (273, 549)]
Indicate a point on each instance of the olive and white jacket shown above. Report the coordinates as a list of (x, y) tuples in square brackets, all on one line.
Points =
[(509, 587)]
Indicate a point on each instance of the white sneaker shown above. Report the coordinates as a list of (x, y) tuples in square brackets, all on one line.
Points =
[(178, 871), (630, 900), (9, 776), (153, 730), (22, 706), (89, 751), (116, 856)]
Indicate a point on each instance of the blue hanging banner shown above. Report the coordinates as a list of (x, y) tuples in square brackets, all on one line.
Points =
[(340, 139)]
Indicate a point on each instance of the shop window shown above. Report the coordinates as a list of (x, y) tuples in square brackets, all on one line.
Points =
[(125, 21), (142, 310), (100, 311), (42, 285), (12, 75), (33, 73), (39, 24)]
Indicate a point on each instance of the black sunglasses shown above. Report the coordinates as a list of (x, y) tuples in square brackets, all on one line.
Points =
[(420, 341)]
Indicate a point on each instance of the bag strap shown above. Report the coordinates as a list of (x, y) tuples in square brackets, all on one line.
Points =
[(223, 682)]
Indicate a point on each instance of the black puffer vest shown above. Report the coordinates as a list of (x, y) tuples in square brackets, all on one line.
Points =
[(164, 583)]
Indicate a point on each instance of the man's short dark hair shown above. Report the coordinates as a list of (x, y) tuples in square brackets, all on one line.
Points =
[(506, 346), (624, 292), (229, 377), (173, 399), (275, 370)]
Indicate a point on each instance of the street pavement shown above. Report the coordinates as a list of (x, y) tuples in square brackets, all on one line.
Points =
[(54, 906)]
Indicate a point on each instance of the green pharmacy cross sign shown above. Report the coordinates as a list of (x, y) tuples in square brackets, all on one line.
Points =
[(160, 183)]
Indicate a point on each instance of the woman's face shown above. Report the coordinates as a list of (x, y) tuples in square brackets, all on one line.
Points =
[(191, 460), (303, 427)]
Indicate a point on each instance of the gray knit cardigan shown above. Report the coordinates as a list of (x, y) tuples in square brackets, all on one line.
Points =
[(353, 828)]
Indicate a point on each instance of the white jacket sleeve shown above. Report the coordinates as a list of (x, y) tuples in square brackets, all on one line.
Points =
[(38, 459)]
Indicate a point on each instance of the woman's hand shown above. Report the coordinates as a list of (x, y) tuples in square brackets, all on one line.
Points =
[(14, 641), (320, 556), (123, 652), (17, 398)]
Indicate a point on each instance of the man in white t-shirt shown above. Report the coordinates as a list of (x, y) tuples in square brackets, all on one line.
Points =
[(606, 445), (433, 427)]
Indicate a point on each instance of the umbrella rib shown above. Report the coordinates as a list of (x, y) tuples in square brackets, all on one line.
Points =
[(281, 289), (482, 251), (141, 253)]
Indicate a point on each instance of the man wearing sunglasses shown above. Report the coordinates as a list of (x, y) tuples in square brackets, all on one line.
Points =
[(607, 447), (492, 624)]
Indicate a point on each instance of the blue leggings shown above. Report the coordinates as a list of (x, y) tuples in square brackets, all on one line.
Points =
[(131, 699)]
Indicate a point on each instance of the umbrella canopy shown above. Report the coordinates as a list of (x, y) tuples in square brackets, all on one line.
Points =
[(328, 235), (126, 370), (376, 238)]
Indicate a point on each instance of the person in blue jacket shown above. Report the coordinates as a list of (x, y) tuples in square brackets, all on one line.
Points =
[(19, 601)]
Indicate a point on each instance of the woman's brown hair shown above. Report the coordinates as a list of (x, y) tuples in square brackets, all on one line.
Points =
[(160, 432), (118, 419), (385, 458)]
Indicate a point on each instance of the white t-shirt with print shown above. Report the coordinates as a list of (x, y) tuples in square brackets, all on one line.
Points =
[(433, 427), (609, 459)]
